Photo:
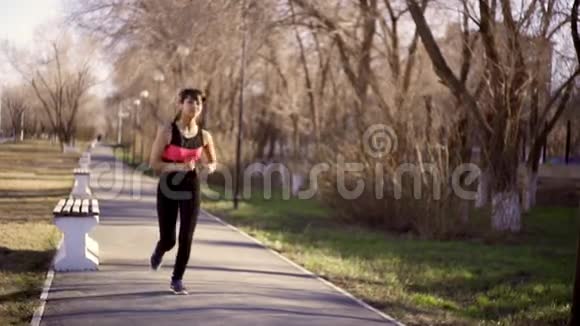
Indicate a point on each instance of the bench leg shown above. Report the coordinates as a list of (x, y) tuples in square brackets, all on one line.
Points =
[(84, 165), (77, 252), (92, 246), (81, 187)]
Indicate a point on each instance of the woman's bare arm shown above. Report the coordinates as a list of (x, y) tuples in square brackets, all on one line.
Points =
[(209, 150)]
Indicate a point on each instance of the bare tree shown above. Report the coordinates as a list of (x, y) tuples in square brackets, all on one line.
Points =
[(14, 101), (61, 91), (188, 43), (574, 26), (355, 56), (59, 75), (499, 119), (307, 78)]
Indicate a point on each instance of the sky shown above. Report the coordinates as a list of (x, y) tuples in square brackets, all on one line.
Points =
[(20, 21), (20, 18)]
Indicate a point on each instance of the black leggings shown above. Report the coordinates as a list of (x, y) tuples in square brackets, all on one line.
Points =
[(177, 190)]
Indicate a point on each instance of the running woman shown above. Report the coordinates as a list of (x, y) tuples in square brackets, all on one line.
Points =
[(176, 152)]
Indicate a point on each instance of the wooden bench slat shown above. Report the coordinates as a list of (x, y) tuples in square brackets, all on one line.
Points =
[(95, 207), (58, 208), (68, 206), (85, 207), (77, 207)]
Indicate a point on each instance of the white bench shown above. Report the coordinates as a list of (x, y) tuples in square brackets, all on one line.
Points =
[(81, 187), (75, 217)]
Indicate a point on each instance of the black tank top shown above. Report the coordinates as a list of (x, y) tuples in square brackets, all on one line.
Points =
[(178, 139)]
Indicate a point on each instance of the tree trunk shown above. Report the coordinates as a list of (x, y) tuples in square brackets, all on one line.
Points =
[(530, 188), (482, 198), (307, 80), (506, 213), (296, 136), (65, 140), (20, 134)]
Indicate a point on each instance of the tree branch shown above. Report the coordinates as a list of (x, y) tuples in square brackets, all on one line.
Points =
[(442, 68), (574, 20)]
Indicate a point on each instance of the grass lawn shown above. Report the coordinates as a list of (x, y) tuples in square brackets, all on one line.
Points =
[(527, 281), (33, 176), (26, 250)]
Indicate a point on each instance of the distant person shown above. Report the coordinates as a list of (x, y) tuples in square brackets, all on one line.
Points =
[(176, 152), (99, 138)]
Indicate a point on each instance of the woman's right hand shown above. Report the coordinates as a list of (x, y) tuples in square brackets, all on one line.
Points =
[(190, 165)]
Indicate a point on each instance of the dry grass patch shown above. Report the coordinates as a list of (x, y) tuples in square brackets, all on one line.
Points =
[(26, 250), (33, 176)]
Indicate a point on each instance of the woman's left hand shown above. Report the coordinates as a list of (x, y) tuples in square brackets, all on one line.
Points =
[(212, 167)]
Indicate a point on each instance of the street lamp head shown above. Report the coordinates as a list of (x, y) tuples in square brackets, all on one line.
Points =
[(183, 50), (158, 76), (144, 94), (122, 114)]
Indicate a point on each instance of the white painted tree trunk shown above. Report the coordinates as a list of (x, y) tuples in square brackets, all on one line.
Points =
[(506, 212), (482, 197), (530, 190), (297, 183)]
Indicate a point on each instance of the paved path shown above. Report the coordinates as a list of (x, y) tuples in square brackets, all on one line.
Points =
[(232, 279), (6, 139)]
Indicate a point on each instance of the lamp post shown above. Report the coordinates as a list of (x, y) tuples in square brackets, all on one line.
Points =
[(135, 109), (159, 78), (22, 125), (241, 111), (120, 115), (144, 95)]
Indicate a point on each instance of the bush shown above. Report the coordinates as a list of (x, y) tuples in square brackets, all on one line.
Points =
[(417, 194)]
